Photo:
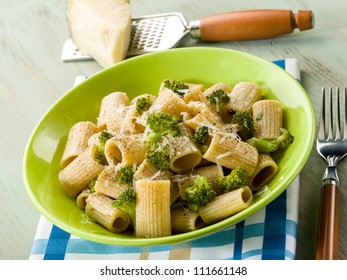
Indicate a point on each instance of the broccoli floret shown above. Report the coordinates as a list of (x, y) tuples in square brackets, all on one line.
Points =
[(269, 146), (100, 153), (246, 122), (126, 202), (177, 87), (236, 179), (91, 185), (218, 97), (142, 104), (125, 175), (200, 135), (158, 156), (160, 124), (199, 194), (104, 136)]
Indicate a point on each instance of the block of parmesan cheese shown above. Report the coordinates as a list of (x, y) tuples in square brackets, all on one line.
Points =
[(101, 28)]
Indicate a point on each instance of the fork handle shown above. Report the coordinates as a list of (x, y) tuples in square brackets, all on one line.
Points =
[(327, 234), (251, 24)]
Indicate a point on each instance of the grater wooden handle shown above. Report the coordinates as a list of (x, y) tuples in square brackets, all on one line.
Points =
[(253, 24), (327, 234)]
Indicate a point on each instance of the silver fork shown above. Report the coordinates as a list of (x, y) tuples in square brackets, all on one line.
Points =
[(332, 146)]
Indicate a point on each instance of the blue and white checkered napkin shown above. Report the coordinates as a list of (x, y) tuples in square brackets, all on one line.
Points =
[(269, 234)]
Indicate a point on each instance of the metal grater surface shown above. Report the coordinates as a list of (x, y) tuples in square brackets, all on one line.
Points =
[(155, 33)]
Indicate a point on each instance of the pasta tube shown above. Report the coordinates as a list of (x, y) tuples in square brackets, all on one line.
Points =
[(269, 119), (195, 107), (184, 155), (185, 220), (81, 200), (109, 103), (94, 139), (227, 149), (185, 90), (77, 141), (195, 93), (123, 119), (126, 120), (202, 115), (153, 217), (150, 172), (221, 109), (211, 172), (195, 96), (126, 149), (107, 183), (169, 102), (264, 172), (217, 86), (183, 182), (76, 176), (243, 95), (99, 207), (225, 205)]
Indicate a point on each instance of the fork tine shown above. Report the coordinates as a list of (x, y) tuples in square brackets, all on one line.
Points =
[(345, 112), (331, 118), (321, 131), (338, 115)]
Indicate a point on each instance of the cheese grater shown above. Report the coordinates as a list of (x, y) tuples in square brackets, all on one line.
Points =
[(165, 31)]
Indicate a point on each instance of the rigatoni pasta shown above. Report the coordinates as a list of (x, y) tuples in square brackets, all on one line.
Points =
[(243, 96), (169, 102), (108, 184), (76, 176), (185, 220), (126, 150), (225, 205), (227, 149), (77, 141), (99, 207), (147, 171), (168, 153), (202, 115), (265, 170), (153, 216), (81, 200), (184, 154), (222, 109), (110, 104), (269, 118)]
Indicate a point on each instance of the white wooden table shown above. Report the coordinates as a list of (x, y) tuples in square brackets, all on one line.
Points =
[(33, 77)]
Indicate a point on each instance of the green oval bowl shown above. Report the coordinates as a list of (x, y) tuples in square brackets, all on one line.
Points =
[(144, 74)]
